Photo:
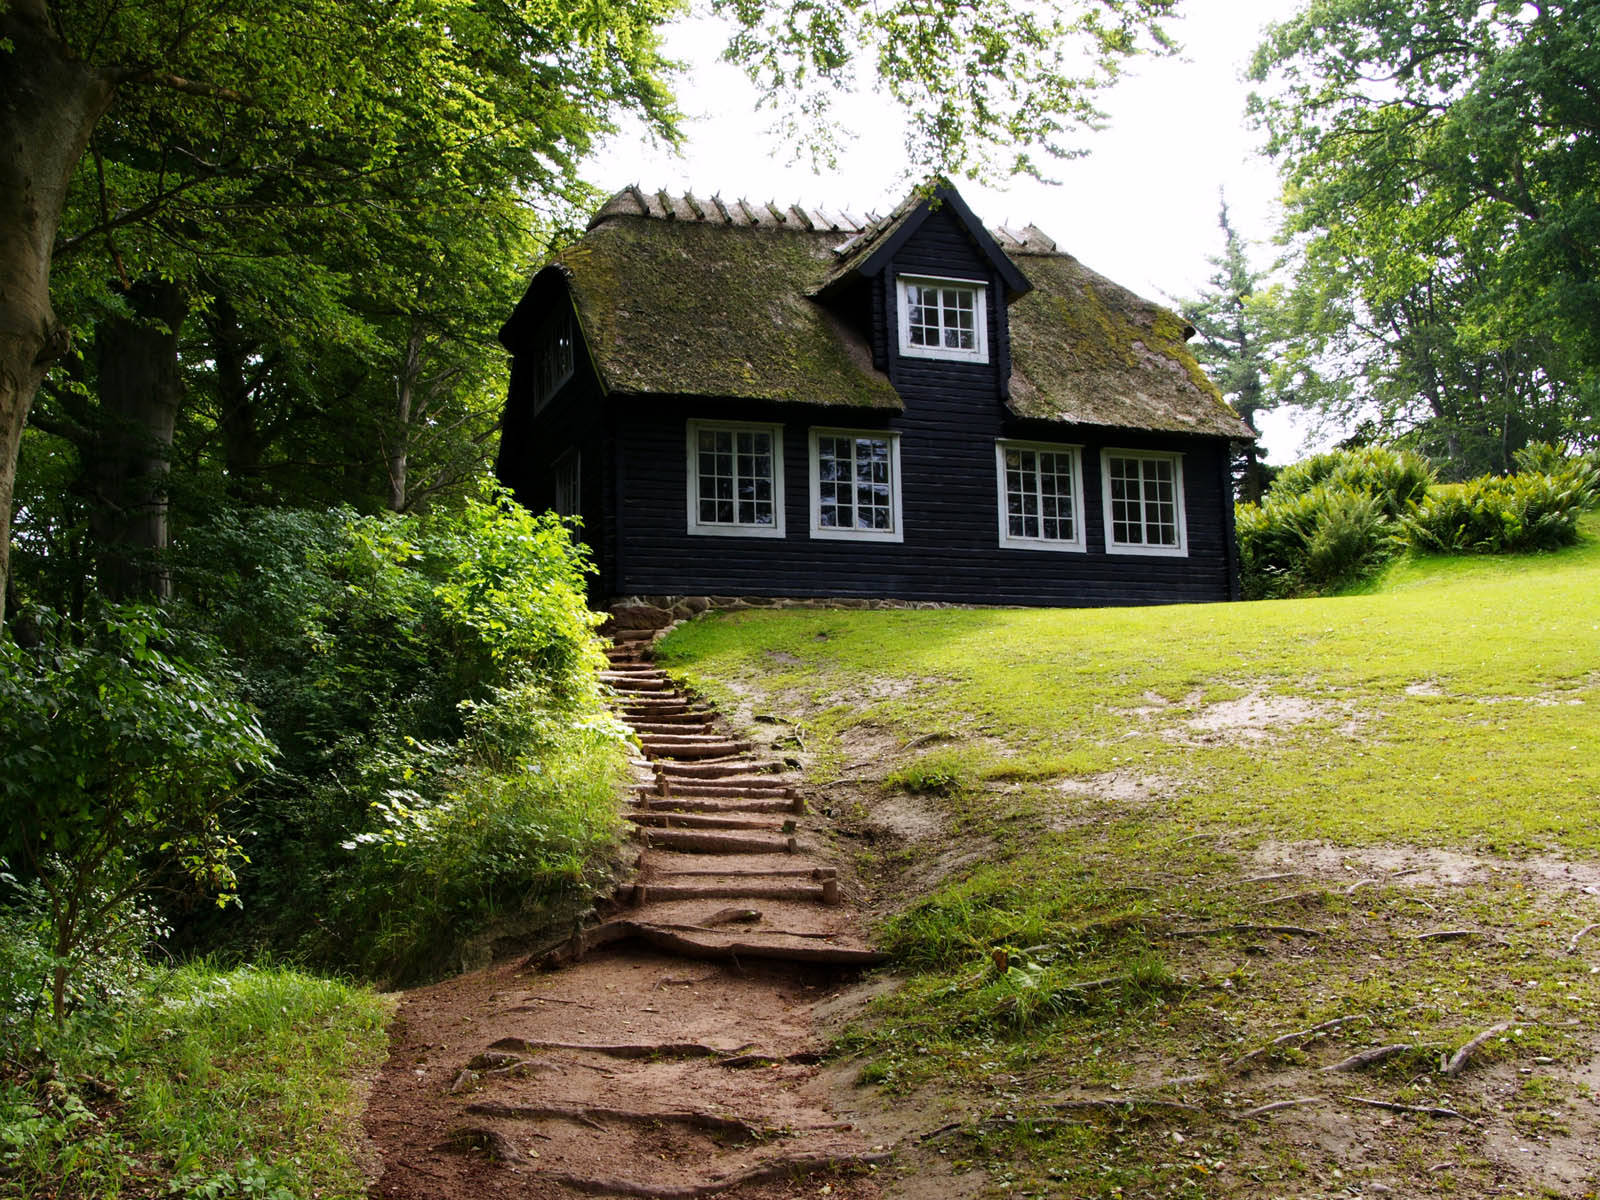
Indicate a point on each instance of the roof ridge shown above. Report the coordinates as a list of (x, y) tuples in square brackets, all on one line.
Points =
[(855, 229)]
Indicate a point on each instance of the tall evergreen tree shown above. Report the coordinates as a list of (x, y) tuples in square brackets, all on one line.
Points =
[(1233, 340)]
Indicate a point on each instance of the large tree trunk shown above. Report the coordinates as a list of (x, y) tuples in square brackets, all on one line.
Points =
[(140, 391), (49, 104)]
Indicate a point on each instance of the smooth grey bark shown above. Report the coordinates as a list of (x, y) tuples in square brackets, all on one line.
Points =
[(49, 103)]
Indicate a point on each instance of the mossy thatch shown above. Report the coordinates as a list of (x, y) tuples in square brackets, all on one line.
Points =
[(684, 297), (696, 309), (1085, 351)]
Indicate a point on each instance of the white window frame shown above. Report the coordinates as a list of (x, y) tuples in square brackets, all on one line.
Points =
[(1077, 543), (980, 320), (692, 483), (1181, 550), (569, 464), (896, 532)]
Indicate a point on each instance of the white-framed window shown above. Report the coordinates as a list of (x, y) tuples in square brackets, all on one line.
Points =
[(855, 484), (1041, 495), (1143, 492), (555, 357), (735, 479), (568, 481), (943, 318)]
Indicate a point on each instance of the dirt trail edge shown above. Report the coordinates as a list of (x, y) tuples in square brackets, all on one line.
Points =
[(668, 1051)]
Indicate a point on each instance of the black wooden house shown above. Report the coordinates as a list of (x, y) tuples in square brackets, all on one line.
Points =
[(753, 401)]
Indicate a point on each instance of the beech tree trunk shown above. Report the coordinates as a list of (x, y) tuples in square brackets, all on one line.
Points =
[(49, 103), (140, 391)]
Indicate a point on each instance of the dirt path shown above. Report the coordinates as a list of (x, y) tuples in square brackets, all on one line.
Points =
[(670, 1052)]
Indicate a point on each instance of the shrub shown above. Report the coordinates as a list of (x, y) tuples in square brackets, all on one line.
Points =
[(432, 682), (116, 758), (1316, 540), (1500, 514), (1395, 478)]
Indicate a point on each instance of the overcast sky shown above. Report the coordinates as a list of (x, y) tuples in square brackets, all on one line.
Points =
[(1141, 208)]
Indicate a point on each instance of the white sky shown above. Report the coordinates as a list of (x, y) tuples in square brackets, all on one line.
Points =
[(1141, 207)]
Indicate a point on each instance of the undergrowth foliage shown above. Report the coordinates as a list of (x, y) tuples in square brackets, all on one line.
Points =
[(432, 683), (1335, 518)]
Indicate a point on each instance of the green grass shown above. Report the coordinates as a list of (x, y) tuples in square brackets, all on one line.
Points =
[(1454, 703), (206, 1083), (1083, 758)]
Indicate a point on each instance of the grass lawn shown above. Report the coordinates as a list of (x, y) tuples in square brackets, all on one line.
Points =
[(1145, 871)]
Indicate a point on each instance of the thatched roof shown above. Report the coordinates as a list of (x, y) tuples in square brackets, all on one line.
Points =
[(699, 297)]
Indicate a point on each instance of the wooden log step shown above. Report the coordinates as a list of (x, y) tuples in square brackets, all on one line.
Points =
[(634, 678), (691, 750), (671, 820), (664, 893), (696, 725), (745, 768), (631, 635), (669, 721), (706, 841), (641, 684), (693, 804), (714, 947), (800, 872), (661, 704), (631, 667), (772, 786)]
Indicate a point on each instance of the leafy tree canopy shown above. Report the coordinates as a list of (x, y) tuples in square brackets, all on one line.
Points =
[(1442, 171)]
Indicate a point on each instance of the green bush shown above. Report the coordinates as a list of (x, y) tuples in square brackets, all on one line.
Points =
[(1501, 514), (117, 757), (1318, 540), (1395, 478), (432, 682)]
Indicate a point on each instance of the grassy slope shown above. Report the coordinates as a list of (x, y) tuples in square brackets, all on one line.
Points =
[(1123, 797), (207, 1083)]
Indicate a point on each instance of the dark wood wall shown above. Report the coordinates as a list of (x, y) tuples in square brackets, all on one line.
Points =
[(949, 500)]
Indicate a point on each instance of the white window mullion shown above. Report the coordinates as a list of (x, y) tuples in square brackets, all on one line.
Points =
[(855, 485), (1143, 494), (1040, 489), (735, 479)]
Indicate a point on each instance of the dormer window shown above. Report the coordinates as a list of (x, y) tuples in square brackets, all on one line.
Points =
[(555, 359), (943, 318)]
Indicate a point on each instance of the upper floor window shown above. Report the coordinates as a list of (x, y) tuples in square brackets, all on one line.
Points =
[(1143, 502), (943, 318), (855, 485), (555, 356), (735, 479), (1041, 490)]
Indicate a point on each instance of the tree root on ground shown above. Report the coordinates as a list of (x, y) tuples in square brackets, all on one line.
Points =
[(1288, 1039), (1124, 1104), (778, 1168), (622, 1050), (593, 1117), (1376, 1054), (669, 938), (1421, 1109), (1251, 1114), (474, 1137), (1241, 927), (1457, 1062)]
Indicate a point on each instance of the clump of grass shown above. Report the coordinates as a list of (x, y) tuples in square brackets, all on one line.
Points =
[(207, 1082), (948, 772)]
